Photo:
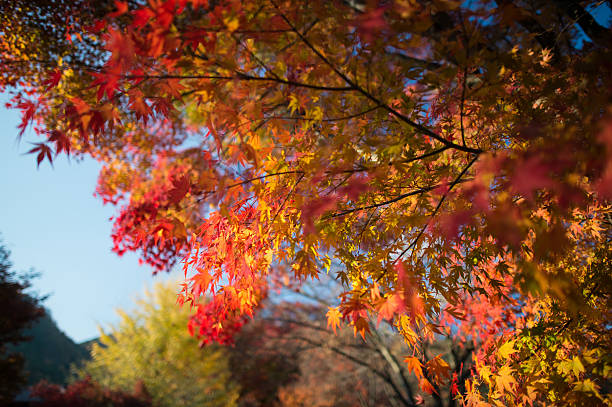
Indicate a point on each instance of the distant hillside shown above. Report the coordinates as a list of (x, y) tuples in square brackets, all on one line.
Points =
[(87, 345), (49, 354)]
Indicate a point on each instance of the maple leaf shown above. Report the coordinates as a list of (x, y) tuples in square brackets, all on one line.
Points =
[(371, 23), (504, 379), (360, 326), (142, 16), (414, 365), (426, 386), (588, 386), (438, 368), (333, 317), (530, 175), (506, 350), (28, 111), (107, 84), (62, 142), (314, 209), (201, 282), (122, 47), (53, 79), (406, 283), (451, 224), (180, 188), (389, 307), (355, 188), (574, 365), (43, 151), (122, 8)]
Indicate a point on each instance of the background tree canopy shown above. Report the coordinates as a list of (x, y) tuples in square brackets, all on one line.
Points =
[(151, 345), (19, 310), (451, 160)]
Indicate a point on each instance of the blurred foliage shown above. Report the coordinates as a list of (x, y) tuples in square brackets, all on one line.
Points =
[(261, 364), (152, 344), (19, 309), (41, 34), (86, 393)]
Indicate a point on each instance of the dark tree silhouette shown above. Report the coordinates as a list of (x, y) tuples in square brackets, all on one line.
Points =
[(19, 310)]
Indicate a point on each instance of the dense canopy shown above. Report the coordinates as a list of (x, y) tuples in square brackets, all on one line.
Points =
[(449, 162)]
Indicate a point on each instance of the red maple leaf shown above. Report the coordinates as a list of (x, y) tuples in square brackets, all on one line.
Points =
[(53, 79), (530, 175), (315, 208), (62, 142), (43, 151), (28, 109), (371, 23), (122, 8), (180, 188), (107, 84)]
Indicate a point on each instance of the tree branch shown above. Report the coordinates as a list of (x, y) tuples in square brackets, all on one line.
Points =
[(435, 211), (422, 129), (243, 76), (597, 33)]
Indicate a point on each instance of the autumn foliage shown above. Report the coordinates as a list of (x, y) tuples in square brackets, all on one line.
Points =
[(88, 393), (450, 163)]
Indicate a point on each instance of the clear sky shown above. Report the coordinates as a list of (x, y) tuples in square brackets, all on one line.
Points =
[(51, 222)]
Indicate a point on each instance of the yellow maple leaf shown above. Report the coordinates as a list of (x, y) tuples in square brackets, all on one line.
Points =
[(506, 350), (232, 23), (504, 379)]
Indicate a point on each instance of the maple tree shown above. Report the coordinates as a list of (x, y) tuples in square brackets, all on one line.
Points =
[(453, 158)]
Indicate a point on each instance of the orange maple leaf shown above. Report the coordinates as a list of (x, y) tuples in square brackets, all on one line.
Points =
[(438, 368), (389, 307), (361, 326), (504, 379), (414, 365), (333, 318), (426, 386)]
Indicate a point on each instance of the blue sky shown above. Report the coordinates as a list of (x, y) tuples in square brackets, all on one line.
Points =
[(51, 222)]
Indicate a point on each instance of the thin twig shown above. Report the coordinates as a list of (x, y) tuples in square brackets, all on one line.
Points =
[(435, 211)]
